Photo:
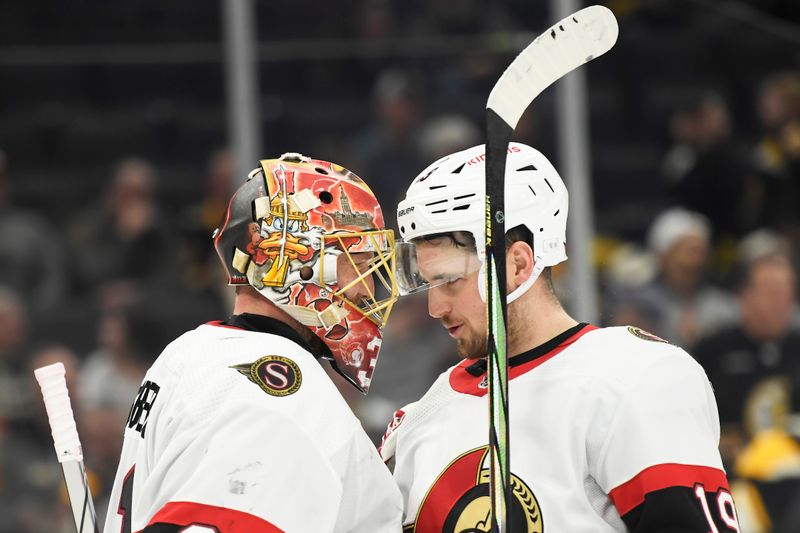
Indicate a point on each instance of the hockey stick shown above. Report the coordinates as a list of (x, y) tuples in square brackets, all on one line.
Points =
[(68, 447), (579, 38)]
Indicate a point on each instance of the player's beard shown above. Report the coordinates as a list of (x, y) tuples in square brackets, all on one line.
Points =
[(473, 346)]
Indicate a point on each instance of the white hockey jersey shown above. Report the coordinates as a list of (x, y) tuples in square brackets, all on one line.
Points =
[(237, 428), (610, 430)]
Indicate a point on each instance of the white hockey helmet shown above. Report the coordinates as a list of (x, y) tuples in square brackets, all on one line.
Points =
[(449, 196)]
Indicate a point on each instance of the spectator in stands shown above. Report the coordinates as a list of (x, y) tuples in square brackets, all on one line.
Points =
[(219, 184), (679, 303), (624, 268), (446, 134), (14, 339), (122, 243), (129, 339), (766, 477), (760, 346), (198, 260), (778, 152), (388, 147), (754, 367), (763, 242), (708, 170), (32, 260)]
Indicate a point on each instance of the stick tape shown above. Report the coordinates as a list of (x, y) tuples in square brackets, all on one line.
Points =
[(59, 412)]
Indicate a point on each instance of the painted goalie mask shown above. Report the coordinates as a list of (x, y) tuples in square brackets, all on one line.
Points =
[(292, 231)]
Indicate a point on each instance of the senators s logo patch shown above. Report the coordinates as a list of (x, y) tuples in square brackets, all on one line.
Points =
[(276, 375)]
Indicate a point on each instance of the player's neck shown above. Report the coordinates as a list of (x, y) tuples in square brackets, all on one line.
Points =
[(535, 321)]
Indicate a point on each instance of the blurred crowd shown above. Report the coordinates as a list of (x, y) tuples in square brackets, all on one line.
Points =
[(712, 267), (717, 275)]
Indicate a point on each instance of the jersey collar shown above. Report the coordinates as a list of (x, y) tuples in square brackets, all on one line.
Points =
[(265, 324), (470, 377)]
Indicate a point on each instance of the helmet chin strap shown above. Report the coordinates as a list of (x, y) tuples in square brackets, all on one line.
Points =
[(538, 267)]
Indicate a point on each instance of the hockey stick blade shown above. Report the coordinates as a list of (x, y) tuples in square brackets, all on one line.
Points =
[(577, 39)]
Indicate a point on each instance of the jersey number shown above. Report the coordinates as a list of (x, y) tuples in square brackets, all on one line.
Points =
[(126, 501), (727, 511)]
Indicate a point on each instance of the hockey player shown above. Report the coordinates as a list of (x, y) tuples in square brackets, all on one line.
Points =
[(611, 429), (237, 427)]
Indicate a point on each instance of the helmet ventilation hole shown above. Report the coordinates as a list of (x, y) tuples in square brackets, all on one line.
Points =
[(413, 225), (325, 197), (402, 229), (437, 202), (321, 170)]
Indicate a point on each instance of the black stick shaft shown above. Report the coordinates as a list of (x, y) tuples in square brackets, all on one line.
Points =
[(498, 138)]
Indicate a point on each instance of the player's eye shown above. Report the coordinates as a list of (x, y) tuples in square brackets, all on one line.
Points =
[(452, 280)]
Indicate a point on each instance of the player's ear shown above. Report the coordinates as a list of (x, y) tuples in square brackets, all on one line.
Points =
[(519, 264)]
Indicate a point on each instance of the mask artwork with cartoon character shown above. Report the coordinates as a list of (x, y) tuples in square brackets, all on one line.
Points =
[(284, 233), (278, 241)]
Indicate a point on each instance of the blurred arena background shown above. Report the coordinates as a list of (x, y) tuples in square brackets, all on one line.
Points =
[(116, 160)]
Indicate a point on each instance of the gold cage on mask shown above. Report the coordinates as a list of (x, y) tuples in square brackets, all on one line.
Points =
[(372, 257)]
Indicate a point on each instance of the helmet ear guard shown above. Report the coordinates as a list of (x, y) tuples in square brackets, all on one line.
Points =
[(539, 264), (284, 233)]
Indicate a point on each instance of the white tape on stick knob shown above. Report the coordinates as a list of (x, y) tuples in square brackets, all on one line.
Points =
[(59, 412)]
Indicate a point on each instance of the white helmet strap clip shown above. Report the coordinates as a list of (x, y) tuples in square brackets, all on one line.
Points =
[(538, 267)]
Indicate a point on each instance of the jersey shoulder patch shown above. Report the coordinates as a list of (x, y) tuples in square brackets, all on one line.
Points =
[(275, 374), (644, 335)]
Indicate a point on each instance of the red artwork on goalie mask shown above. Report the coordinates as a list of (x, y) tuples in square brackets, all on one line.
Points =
[(299, 215), (355, 341)]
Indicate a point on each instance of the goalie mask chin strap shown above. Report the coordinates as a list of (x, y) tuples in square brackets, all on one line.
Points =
[(332, 315)]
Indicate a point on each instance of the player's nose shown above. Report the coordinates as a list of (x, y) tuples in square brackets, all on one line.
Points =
[(438, 305), (346, 273)]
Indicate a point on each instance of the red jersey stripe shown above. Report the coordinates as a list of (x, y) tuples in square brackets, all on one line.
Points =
[(226, 520), (630, 494), (462, 381)]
